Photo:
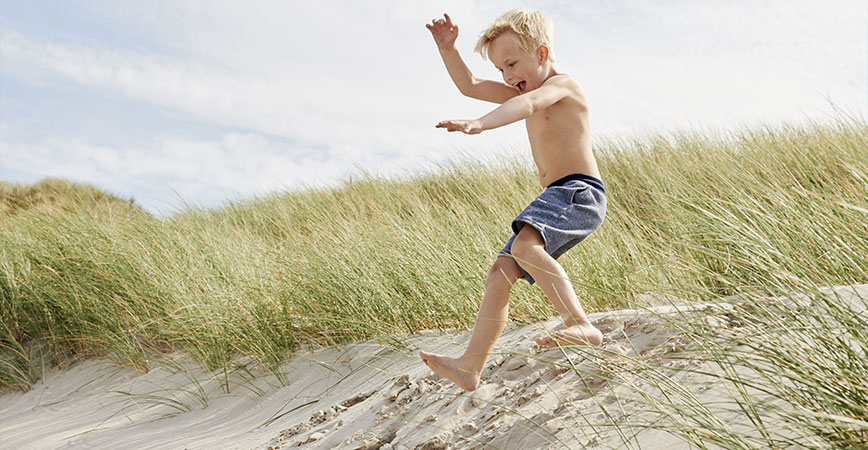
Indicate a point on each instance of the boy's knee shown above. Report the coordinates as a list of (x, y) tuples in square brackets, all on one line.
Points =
[(527, 243), (504, 269)]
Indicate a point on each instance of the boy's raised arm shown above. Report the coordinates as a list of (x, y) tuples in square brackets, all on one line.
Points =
[(445, 33)]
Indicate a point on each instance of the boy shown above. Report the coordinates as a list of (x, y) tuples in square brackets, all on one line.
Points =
[(573, 202)]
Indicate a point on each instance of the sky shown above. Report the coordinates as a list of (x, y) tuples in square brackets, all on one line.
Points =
[(180, 103)]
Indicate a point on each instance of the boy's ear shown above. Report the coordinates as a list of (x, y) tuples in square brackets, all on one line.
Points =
[(543, 53)]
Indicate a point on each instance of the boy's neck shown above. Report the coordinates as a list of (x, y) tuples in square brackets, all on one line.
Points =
[(549, 72)]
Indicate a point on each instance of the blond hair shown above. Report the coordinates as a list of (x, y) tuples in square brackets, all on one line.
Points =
[(533, 28)]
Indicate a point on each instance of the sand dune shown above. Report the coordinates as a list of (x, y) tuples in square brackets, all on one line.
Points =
[(371, 396)]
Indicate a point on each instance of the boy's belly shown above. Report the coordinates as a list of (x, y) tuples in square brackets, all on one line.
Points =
[(551, 168)]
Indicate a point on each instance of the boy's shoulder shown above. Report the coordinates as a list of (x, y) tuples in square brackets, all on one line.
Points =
[(567, 85), (562, 80)]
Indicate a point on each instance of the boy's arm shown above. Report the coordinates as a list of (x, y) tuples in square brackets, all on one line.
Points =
[(516, 108), (469, 85), (445, 33)]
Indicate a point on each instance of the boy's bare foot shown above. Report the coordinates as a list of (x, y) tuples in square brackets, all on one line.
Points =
[(584, 334), (455, 369)]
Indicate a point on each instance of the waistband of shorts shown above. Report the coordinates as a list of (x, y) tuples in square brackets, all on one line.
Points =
[(593, 181)]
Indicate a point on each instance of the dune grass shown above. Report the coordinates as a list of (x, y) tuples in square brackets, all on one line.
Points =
[(762, 211), (744, 371)]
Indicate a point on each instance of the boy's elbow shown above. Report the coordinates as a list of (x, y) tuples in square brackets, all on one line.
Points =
[(529, 106), (467, 88)]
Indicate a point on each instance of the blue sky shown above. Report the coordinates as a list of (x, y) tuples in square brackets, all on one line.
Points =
[(176, 102)]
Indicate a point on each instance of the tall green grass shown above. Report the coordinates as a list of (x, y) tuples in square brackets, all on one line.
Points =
[(696, 216)]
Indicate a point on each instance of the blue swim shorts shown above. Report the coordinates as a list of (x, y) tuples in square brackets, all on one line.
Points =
[(565, 213)]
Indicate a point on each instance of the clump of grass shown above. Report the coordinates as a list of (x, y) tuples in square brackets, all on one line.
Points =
[(52, 193), (753, 372), (798, 362), (689, 215)]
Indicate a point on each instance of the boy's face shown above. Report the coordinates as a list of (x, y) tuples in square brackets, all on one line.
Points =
[(523, 70)]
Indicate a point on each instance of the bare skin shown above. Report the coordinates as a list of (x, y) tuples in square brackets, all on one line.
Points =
[(555, 111), (490, 321), (458, 370), (585, 334)]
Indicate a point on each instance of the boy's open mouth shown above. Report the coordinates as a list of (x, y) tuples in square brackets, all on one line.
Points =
[(521, 85)]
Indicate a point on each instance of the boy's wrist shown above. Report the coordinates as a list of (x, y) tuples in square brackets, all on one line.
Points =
[(446, 48)]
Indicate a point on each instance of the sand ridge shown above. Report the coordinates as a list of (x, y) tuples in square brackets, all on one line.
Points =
[(370, 396)]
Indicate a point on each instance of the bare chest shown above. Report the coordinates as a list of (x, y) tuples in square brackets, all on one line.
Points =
[(560, 142), (555, 129)]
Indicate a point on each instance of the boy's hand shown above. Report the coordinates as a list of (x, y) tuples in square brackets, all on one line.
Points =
[(464, 126), (444, 32)]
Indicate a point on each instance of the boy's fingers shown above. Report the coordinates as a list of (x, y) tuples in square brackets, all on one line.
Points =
[(452, 127)]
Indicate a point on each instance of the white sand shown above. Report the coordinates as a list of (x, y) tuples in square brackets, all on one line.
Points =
[(370, 396)]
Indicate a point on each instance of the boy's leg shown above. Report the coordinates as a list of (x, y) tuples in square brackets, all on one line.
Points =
[(490, 321), (529, 251)]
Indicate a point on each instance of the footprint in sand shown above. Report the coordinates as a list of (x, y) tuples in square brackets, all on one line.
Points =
[(554, 372), (318, 418), (514, 363), (516, 368), (483, 395)]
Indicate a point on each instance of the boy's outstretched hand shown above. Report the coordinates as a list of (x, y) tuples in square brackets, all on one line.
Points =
[(444, 32), (464, 126)]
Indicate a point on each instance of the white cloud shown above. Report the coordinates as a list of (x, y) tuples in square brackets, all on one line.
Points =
[(662, 65), (327, 74), (210, 93), (364, 76), (236, 165)]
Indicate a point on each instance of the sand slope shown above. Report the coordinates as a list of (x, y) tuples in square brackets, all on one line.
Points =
[(371, 396)]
